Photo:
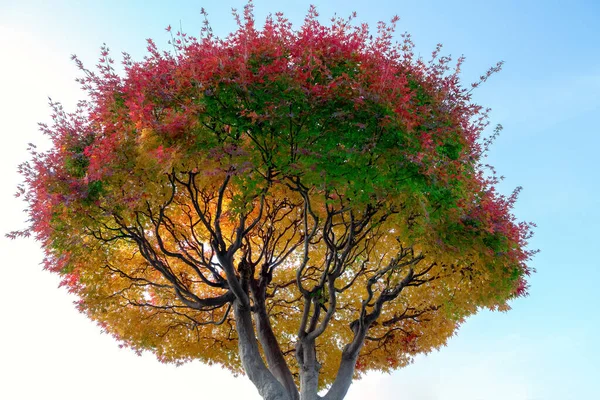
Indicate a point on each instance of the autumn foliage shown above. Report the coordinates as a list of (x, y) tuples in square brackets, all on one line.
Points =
[(305, 205)]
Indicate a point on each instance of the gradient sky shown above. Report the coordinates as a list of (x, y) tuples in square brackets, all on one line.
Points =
[(547, 97)]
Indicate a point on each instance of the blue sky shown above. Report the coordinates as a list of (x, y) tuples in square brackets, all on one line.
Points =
[(547, 98)]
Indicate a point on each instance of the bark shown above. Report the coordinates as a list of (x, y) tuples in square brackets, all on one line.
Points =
[(309, 371), (275, 359), (258, 373), (345, 373), (343, 379)]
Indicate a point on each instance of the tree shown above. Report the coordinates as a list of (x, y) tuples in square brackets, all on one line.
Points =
[(302, 206)]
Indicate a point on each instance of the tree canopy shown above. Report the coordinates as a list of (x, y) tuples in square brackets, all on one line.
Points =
[(302, 205)]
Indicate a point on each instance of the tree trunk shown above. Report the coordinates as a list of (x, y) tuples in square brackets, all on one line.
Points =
[(309, 372), (275, 359), (268, 387), (343, 379)]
